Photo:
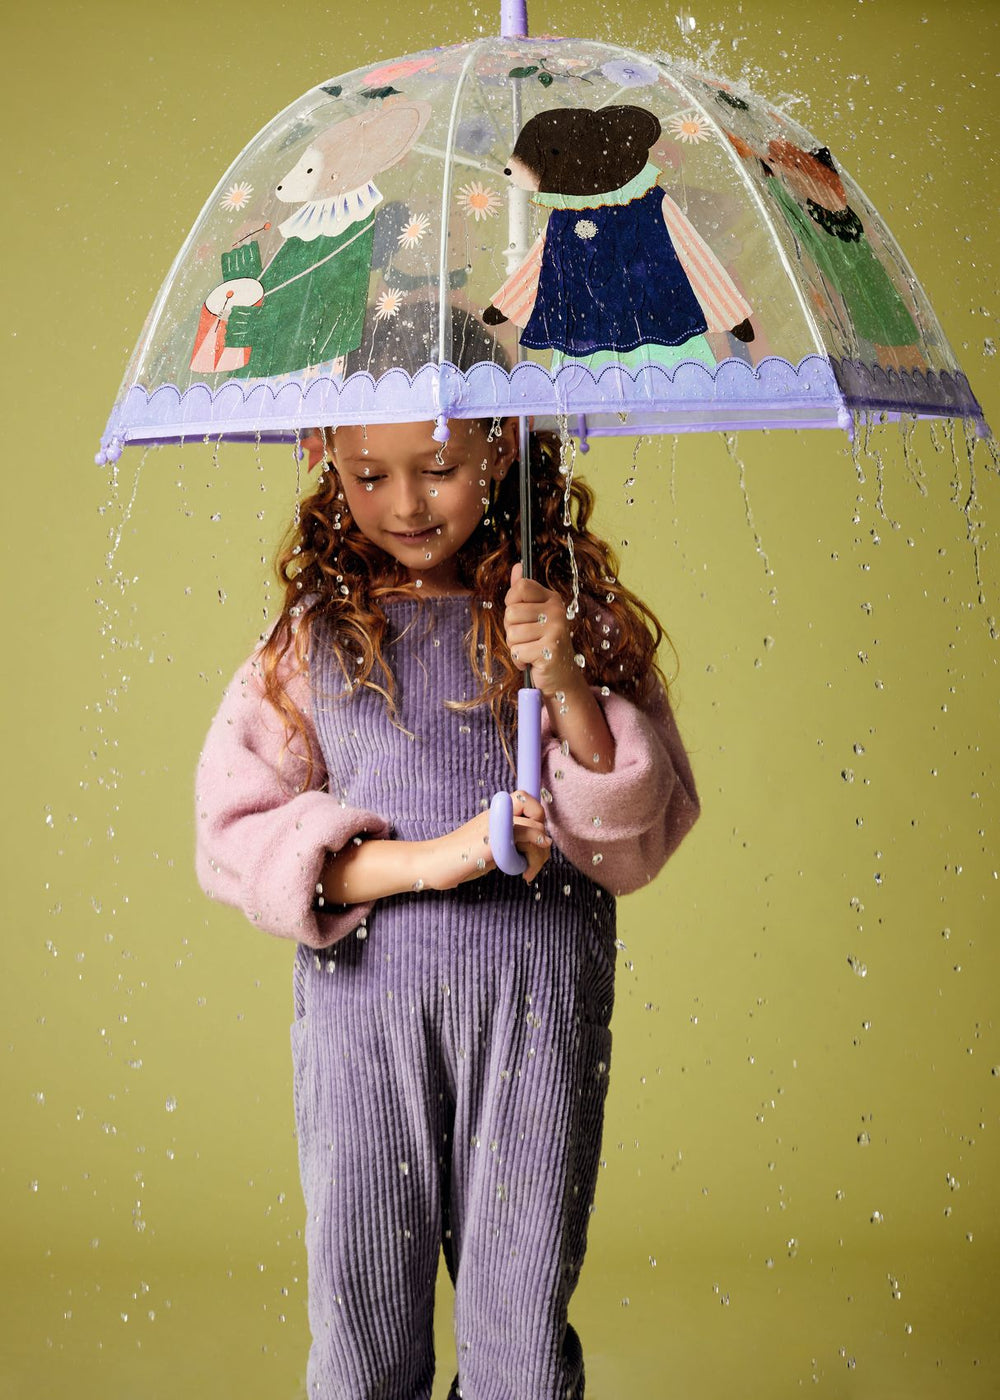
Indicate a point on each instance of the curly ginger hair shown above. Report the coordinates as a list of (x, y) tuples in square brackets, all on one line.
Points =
[(332, 574)]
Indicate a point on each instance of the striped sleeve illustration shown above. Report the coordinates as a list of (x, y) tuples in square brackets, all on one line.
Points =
[(717, 294), (516, 298)]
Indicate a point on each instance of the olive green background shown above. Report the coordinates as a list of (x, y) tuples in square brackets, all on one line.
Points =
[(801, 1155)]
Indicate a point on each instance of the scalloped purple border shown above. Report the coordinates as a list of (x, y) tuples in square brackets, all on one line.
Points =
[(691, 397)]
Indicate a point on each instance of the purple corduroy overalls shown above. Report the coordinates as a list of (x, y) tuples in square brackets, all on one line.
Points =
[(451, 1063)]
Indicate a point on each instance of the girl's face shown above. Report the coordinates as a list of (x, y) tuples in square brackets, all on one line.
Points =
[(415, 507)]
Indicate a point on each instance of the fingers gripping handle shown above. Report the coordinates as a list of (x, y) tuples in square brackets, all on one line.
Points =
[(529, 779)]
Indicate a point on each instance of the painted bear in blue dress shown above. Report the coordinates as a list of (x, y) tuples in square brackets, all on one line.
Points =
[(610, 278)]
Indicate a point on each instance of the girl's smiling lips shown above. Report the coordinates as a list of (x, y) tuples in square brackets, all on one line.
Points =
[(413, 536)]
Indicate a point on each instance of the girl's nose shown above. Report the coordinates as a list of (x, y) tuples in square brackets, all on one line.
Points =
[(409, 500)]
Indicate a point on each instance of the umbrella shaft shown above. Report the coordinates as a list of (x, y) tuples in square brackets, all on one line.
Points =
[(524, 471), (524, 467)]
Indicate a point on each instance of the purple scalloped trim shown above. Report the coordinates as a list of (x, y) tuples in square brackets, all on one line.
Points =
[(690, 397), (942, 393)]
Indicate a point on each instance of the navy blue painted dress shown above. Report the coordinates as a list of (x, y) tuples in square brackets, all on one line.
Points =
[(610, 277)]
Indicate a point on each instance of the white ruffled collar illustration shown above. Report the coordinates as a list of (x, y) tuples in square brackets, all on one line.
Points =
[(328, 218)]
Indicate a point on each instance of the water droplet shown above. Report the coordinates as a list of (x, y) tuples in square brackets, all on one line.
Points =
[(404, 1167), (171, 1105)]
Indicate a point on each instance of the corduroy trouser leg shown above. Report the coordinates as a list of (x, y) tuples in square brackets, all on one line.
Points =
[(450, 1093)]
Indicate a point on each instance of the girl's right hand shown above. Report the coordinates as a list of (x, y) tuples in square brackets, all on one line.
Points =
[(464, 854)]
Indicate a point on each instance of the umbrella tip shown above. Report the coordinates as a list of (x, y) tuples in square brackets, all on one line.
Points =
[(513, 19), (441, 431), (109, 452)]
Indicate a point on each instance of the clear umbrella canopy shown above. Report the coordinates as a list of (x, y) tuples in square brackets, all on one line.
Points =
[(547, 227)]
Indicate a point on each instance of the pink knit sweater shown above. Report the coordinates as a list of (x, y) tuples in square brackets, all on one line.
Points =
[(262, 837)]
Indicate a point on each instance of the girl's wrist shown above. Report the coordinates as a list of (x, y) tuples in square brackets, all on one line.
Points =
[(573, 683)]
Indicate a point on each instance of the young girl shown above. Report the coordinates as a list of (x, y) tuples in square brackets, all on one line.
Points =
[(451, 1041)]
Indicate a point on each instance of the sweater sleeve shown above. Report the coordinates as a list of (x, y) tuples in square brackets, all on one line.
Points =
[(621, 827), (262, 836)]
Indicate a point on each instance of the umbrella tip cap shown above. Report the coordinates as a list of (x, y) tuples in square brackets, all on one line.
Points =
[(110, 452), (441, 431)]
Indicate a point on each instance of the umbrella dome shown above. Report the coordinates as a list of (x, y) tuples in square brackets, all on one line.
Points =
[(556, 228)]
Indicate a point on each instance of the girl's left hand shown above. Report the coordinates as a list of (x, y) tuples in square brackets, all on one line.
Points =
[(538, 634)]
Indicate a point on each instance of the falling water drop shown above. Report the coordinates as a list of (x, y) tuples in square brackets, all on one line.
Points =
[(731, 447)]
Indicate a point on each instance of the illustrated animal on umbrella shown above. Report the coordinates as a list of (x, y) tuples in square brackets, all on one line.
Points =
[(619, 271), (308, 304), (807, 189)]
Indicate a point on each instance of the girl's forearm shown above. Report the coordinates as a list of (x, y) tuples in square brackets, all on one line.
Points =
[(375, 869), (368, 870), (578, 720)]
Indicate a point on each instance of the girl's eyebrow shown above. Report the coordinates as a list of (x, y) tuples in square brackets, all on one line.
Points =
[(423, 458), (351, 461)]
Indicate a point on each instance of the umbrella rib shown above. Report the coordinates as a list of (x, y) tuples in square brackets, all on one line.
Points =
[(446, 177), (488, 167)]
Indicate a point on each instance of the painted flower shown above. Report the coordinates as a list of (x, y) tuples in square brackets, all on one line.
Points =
[(585, 229), (689, 127), (413, 231), (236, 196), (479, 201), (629, 72), (389, 72), (387, 304)]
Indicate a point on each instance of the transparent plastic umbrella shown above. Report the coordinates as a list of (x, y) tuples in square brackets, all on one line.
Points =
[(556, 229)]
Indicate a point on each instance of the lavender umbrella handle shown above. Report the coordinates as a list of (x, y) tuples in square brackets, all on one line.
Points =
[(529, 779)]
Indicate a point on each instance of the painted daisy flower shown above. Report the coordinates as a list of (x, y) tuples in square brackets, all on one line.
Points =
[(236, 196), (414, 231), (387, 304), (479, 201), (689, 127), (585, 229)]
